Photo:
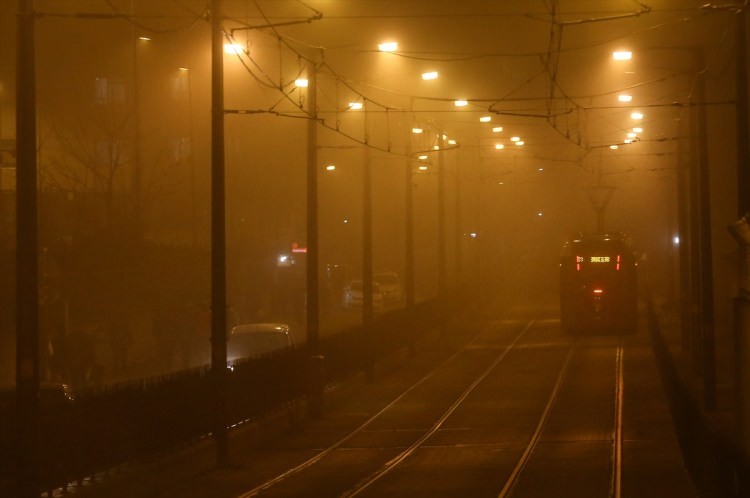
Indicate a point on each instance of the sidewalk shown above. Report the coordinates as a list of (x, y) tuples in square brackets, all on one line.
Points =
[(708, 437)]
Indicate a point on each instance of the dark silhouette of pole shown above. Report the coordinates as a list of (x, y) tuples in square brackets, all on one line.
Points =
[(137, 181), (409, 179), (743, 208), (459, 236), (442, 277), (218, 242), (313, 267), (743, 132), (27, 271), (367, 311), (705, 253)]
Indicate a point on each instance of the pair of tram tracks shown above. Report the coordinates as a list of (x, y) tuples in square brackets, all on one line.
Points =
[(512, 480), (616, 476)]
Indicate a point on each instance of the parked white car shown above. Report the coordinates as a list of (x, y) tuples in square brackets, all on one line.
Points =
[(390, 285), (354, 295), (256, 339)]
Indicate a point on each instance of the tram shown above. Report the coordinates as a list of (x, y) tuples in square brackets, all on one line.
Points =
[(598, 284)]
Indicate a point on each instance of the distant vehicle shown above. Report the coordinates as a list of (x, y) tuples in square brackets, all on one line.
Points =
[(598, 284), (354, 295), (257, 339), (390, 285)]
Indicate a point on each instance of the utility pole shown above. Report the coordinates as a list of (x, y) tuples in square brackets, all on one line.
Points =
[(743, 208), (705, 253), (137, 181), (442, 277), (367, 312), (313, 269), (27, 271), (743, 130), (218, 240), (409, 179)]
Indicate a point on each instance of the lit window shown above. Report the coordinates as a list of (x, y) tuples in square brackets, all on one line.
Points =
[(181, 86), (109, 91), (181, 149)]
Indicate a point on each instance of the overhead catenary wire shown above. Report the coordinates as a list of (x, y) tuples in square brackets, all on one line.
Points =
[(261, 77)]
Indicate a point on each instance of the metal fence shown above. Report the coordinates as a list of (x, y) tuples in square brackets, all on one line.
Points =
[(128, 422)]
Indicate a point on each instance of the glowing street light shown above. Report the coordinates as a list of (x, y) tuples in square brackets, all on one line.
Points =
[(499, 146), (622, 55), (355, 106), (460, 103), (390, 46), (497, 129), (331, 167), (485, 119), (301, 83), (624, 98), (417, 131), (636, 115), (430, 75), (233, 49)]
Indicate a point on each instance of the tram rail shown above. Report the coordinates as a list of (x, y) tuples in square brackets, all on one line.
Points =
[(518, 340)]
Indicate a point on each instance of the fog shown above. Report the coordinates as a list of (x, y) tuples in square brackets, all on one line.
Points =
[(124, 141)]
